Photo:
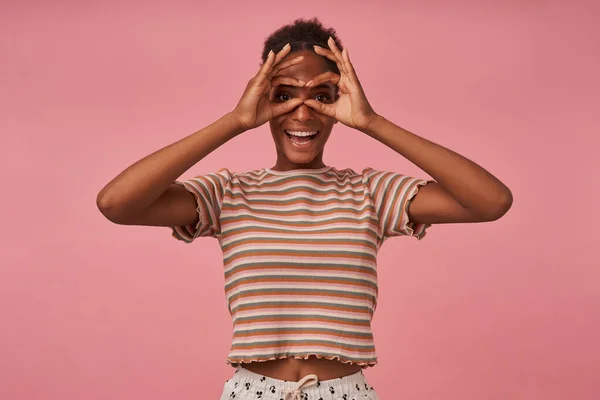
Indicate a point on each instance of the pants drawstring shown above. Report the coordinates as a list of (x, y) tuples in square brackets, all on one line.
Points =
[(296, 394)]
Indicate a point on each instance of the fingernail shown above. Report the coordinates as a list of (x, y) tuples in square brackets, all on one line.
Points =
[(309, 83), (286, 46), (300, 81), (270, 53)]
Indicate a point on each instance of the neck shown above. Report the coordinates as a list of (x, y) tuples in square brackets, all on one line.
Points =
[(283, 164)]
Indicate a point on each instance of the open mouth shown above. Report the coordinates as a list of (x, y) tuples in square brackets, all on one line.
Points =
[(301, 138)]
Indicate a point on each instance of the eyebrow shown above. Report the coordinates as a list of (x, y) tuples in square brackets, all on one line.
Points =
[(318, 87)]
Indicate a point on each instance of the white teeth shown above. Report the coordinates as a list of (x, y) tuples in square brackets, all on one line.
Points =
[(301, 134)]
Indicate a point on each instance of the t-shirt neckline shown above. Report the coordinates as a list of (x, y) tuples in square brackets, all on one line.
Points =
[(302, 171)]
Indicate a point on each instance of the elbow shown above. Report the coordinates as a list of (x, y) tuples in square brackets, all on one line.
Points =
[(109, 207), (499, 207)]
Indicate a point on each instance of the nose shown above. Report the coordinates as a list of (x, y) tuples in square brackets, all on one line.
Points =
[(302, 113)]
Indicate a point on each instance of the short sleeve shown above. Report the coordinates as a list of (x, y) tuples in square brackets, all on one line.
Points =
[(208, 190), (391, 194)]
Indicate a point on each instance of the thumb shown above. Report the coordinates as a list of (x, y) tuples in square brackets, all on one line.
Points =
[(326, 109), (286, 107)]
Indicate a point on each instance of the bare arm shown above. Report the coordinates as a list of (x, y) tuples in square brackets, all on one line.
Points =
[(463, 191), (144, 193)]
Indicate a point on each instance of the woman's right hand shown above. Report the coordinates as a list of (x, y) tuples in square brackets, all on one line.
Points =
[(255, 107)]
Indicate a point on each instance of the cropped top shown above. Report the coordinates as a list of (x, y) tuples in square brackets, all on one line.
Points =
[(300, 255)]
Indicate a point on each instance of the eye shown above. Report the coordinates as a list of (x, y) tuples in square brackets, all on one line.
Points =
[(281, 97), (323, 98)]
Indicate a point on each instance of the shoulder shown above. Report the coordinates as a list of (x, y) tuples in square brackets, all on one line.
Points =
[(248, 177), (344, 172), (370, 174)]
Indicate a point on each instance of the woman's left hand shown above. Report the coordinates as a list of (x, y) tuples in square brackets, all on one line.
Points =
[(352, 107)]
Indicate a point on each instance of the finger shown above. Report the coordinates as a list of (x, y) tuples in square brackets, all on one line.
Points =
[(347, 64), (328, 54), (285, 64), (351, 73), (272, 60), (328, 76), (282, 80), (282, 53), (336, 52), (263, 71), (286, 80), (346, 67), (279, 109), (325, 109)]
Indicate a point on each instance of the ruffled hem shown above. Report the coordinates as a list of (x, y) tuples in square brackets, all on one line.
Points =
[(412, 229), (362, 364)]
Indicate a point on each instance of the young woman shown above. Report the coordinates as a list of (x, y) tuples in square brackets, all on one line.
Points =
[(300, 239)]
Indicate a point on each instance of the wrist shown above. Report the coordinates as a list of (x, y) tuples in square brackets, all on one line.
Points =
[(374, 125), (236, 125)]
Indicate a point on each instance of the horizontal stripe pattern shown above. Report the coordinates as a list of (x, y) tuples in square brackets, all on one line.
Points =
[(300, 255)]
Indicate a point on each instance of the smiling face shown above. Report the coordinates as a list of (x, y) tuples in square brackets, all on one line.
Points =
[(301, 134)]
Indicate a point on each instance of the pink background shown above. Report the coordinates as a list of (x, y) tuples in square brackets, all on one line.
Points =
[(504, 310)]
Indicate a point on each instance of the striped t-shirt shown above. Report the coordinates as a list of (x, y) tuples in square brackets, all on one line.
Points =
[(300, 255)]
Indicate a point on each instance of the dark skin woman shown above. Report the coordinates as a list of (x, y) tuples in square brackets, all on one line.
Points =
[(299, 91)]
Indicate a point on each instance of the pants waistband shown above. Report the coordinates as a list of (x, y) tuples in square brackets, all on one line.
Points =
[(247, 380)]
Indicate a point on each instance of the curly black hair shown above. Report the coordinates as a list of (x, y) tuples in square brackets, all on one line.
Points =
[(302, 35)]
